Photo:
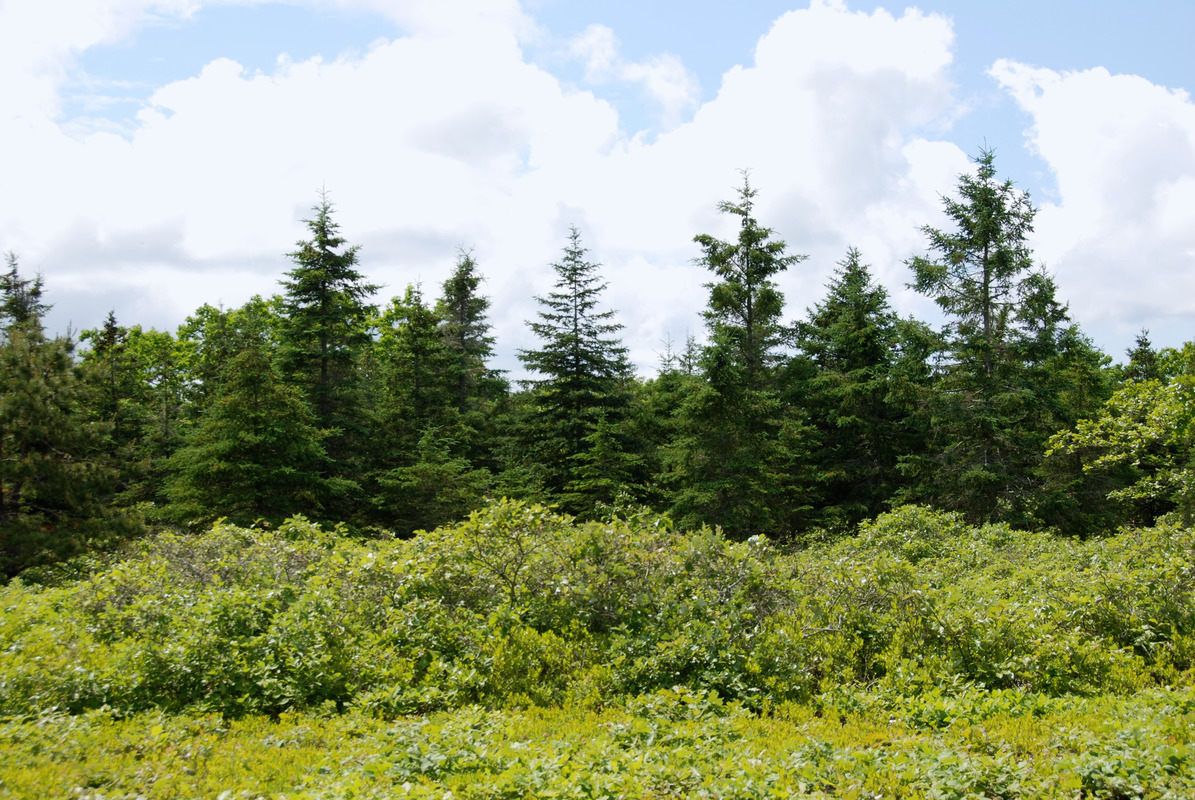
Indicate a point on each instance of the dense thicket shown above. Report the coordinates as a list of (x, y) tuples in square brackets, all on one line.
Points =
[(518, 606), (390, 418)]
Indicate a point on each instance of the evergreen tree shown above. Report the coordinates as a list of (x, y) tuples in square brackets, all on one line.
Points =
[(462, 311), (851, 339), (21, 303), (584, 367), (412, 364), (737, 447), (326, 331), (114, 379), (255, 453), (745, 306), (56, 483), (997, 395), (732, 459), (433, 488), (1143, 360)]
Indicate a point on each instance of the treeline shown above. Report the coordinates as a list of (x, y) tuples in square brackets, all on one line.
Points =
[(390, 419)]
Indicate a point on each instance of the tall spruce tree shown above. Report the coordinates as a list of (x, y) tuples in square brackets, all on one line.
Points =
[(326, 330), (462, 311), (997, 397), (744, 308), (56, 480), (732, 461), (584, 369), (852, 339), (20, 298)]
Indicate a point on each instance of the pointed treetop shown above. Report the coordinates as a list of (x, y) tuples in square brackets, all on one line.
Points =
[(21, 301)]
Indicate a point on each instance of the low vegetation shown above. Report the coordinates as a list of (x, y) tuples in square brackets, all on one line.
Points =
[(523, 653)]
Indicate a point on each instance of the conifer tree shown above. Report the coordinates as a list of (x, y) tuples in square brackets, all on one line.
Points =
[(114, 379), (20, 298), (583, 367), (852, 340), (997, 396), (410, 375), (434, 487), (462, 311), (56, 482), (733, 460), (1143, 360), (255, 453), (326, 330), (744, 308)]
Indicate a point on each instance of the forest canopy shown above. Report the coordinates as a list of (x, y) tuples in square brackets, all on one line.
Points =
[(388, 418)]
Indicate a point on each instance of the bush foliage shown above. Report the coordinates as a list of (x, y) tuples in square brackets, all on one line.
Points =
[(518, 607)]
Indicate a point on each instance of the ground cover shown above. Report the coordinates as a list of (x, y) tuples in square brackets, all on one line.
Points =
[(669, 744)]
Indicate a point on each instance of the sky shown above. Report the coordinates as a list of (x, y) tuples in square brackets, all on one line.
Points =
[(163, 154)]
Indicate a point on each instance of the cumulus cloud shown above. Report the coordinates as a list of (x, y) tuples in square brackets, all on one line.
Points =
[(447, 135), (1121, 237), (663, 77)]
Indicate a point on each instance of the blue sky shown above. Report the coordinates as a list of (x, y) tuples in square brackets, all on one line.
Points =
[(159, 175)]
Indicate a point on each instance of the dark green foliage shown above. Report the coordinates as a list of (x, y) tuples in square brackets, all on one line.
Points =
[(433, 488), (255, 453), (411, 367), (583, 367), (462, 312), (733, 460), (1143, 360), (20, 298), (421, 474), (116, 380), (325, 332), (211, 338), (1140, 449), (730, 458), (998, 394), (863, 420), (744, 308), (56, 481), (141, 389)]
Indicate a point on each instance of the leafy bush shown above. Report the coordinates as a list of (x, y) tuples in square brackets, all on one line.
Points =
[(521, 607)]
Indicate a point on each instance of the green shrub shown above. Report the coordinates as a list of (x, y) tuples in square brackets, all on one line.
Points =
[(518, 606)]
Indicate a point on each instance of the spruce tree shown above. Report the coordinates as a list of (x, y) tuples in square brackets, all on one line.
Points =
[(462, 312), (851, 339), (422, 473), (412, 366), (584, 369), (326, 330), (997, 395), (56, 480), (1143, 360), (733, 461), (744, 308), (20, 298), (256, 453)]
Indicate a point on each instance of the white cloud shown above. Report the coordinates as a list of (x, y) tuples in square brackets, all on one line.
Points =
[(1121, 238), (663, 77), (448, 135)]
